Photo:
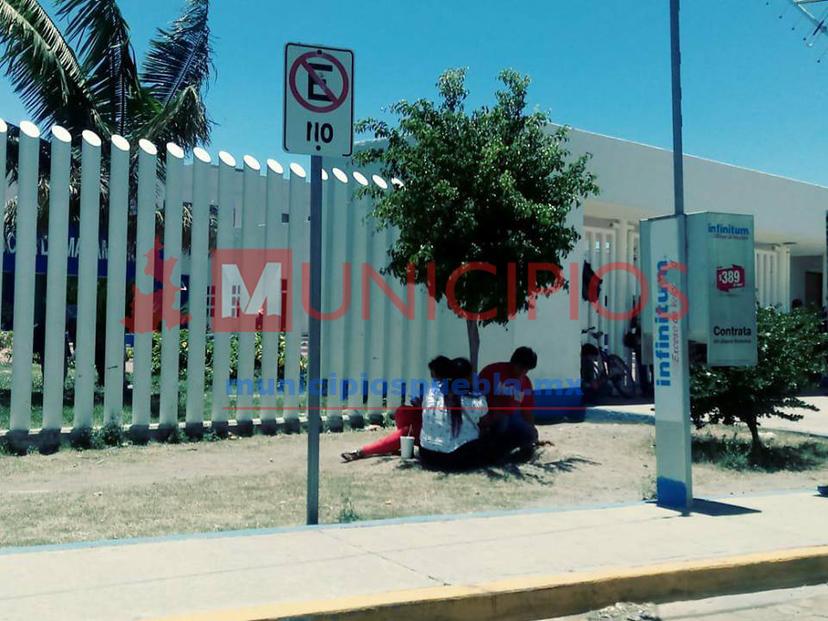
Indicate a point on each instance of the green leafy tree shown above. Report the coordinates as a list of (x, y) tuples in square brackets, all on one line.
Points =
[(792, 349), (491, 186)]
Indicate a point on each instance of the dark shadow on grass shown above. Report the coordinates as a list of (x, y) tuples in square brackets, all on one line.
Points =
[(537, 471), (531, 470), (735, 454)]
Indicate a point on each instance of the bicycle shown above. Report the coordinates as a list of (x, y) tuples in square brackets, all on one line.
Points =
[(601, 370)]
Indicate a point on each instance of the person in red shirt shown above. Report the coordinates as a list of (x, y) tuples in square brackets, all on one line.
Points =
[(508, 390)]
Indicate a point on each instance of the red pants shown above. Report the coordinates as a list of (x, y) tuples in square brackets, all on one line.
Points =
[(409, 421)]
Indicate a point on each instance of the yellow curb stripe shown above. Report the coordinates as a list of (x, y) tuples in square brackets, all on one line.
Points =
[(536, 597)]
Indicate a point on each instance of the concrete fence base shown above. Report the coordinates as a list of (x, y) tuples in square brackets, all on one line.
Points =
[(50, 440)]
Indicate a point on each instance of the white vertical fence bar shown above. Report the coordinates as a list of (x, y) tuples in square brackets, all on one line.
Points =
[(772, 269), (199, 268), (621, 304), (356, 330), (275, 237), (4, 134), (778, 263), (786, 278), (758, 268), (394, 327), (296, 237), (606, 286), (144, 285), (24, 278), (592, 242), (170, 324), (341, 229), (384, 306), (587, 320), (600, 249), (302, 254), (247, 337), (419, 340), (55, 347), (116, 280), (325, 362), (432, 337), (778, 277), (613, 299), (87, 281), (374, 327), (403, 340), (349, 321), (221, 340), (390, 356)]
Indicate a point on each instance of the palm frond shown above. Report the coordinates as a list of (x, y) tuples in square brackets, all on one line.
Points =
[(101, 35), (179, 57), (183, 121), (43, 69)]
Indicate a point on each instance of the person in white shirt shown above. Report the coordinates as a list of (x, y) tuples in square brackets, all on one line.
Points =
[(450, 436)]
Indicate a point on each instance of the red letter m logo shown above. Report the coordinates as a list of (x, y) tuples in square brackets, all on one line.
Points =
[(252, 288)]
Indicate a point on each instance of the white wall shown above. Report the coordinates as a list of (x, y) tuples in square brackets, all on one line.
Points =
[(553, 335), (636, 181)]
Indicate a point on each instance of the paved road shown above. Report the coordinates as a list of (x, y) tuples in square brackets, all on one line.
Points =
[(803, 604)]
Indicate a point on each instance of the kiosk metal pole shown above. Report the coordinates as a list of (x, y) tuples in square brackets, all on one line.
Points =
[(670, 346)]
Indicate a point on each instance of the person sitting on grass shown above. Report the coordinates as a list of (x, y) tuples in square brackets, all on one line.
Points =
[(450, 436), (510, 424), (407, 418)]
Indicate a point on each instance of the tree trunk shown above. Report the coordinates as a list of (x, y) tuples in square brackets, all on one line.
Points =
[(757, 446), (474, 342)]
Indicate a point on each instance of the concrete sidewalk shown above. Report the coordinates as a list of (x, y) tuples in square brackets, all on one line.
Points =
[(812, 422), (145, 579)]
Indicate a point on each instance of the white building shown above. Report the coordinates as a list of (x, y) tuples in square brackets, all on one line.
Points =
[(636, 181)]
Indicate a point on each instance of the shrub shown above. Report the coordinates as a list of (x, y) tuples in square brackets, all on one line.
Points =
[(208, 358), (792, 349)]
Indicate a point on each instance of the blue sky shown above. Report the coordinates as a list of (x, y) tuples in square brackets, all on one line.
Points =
[(754, 93)]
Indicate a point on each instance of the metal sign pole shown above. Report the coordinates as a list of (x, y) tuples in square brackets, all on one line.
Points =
[(678, 147), (314, 388), (318, 121)]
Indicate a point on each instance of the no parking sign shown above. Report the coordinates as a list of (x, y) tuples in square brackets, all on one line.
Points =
[(319, 100)]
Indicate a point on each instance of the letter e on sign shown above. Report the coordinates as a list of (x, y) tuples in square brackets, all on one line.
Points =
[(319, 100)]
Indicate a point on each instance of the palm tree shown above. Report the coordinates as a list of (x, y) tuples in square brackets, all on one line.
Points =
[(86, 77)]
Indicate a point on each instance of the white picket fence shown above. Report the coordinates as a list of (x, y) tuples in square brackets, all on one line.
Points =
[(253, 210)]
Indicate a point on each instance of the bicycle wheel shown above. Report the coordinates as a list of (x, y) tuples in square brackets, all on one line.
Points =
[(620, 376)]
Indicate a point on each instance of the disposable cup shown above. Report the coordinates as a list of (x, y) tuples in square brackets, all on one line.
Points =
[(407, 447)]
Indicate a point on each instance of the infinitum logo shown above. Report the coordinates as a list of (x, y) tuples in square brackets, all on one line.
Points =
[(671, 306), (728, 231), (662, 336)]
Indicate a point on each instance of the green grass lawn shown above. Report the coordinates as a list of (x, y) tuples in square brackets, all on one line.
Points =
[(260, 481)]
